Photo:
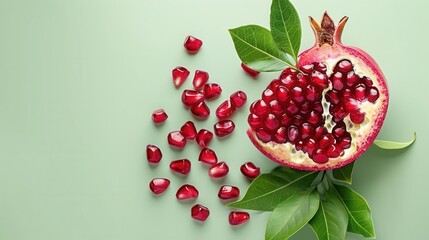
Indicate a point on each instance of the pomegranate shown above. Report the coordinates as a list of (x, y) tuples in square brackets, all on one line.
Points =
[(182, 166), (192, 44), (327, 112), (159, 185), (187, 191), (224, 128), (200, 110), (204, 137), (218, 170), (225, 110), (188, 130), (200, 79), (238, 99), (180, 74), (200, 212), (208, 156), (159, 116), (250, 170), (227, 192), (153, 154), (176, 140), (237, 218), (192, 97)]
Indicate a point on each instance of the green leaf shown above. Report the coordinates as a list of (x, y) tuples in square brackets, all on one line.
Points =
[(286, 27), (292, 214), (256, 48), (360, 220), (394, 145), (330, 221), (269, 190), (344, 174)]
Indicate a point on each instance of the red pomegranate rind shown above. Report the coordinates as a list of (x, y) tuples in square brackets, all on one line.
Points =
[(200, 212), (181, 166), (180, 74), (224, 128), (192, 44), (159, 185), (159, 116), (200, 79), (249, 71), (300, 133)]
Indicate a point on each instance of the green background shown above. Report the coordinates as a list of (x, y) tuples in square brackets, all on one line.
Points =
[(80, 78)]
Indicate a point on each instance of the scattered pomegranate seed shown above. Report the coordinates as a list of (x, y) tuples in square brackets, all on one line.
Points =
[(227, 192), (179, 76), (200, 79), (204, 137), (175, 139), (237, 218), (224, 128), (159, 185), (208, 156), (200, 110), (192, 44), (188, 130), (357, 117), (248, 70), (200, 212), (192, 97), (225, 110), (187, 191), (159, 116), (153, 154), (182, 166), (212, 91), (250, 170), (238, 98), (219, 170)]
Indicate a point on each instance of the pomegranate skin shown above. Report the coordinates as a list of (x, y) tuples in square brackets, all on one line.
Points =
[(330, 51)]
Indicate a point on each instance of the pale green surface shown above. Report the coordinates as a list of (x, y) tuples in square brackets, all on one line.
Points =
[(79, 80)]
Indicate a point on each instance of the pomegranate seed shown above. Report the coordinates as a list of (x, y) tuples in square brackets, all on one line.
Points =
[(207, 156), (280, 135), (307, 68), (287, 80), (200, 79), (200, 212), (182, 166), (312, 94), (274, 84), (250, 170), (320, 67), (297, 94), (301, 79), (187, 191), (282, 94), (237, 218), (285, 119), (351, 78), (159, 116), (320, 157), (254, 121), (179, 76), (276, 108), (319, 131), (319, 79), (351, 104), (192, 97), (212, 91), (268, 95), (326, 140), (339, 129), (344, 66), (337, 81), (219, 170), (225, 110), (260, 108), (238, 99), (224, 128), (345, 142), (200, 110), (188, 130), (159, 185), (227, 192), (175, 139), (204, 137), (292, 108), (153, 153), (310, 146), (314, 118), (248, 70), (271, 122), (357, 117), (306, 130), (333, 96), (367, 81), (360, 92), (292, 133), (192, 44), (333, 151), (373, 95), (263, 135)]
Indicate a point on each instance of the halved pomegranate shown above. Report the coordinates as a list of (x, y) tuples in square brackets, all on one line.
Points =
[(327, 112)]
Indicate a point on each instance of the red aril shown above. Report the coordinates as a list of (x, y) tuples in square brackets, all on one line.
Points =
[(212, 91), (192, 44), (175, 139), (248, 70), (237, 218), (182, 166), (159, 185), (188, 130), (200, 110), (204, 137), (227, 192), (218, 170), (180, 74), (238, 98), (200, 212), (224, 128), (200, 79), (187, 191), (192, 97), (159, 116), (208, 156), (250, 170), (225, 110), (329, 112), (153, 154)]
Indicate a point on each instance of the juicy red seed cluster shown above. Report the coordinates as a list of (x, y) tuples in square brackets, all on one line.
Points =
[(159, 116), (290, 109), (192, 44), (228, 107), (248, 70)]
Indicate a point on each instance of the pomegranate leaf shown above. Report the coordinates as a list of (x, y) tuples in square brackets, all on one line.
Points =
[(394, 145), (286, 27), (330, 221), (344, 174), (256, 48), (360, 220), (292, 214), (270, 189)]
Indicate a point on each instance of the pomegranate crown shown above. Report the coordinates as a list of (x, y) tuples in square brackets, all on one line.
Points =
[(326, 32)]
